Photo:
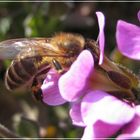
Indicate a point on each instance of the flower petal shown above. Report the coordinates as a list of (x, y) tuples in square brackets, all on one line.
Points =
[(101, 36), (75, 114), (88, 133), (124, 137), (128, 39), (73, 81), (98, 105), (99, 130), (138, 110), (133, 128), (51, 94)]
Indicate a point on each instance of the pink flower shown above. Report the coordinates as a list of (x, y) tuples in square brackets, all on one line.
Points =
[(101, 22), (101, 114), (50, 90), (86, 85), (51, 94), (128, 39), (132, 129)]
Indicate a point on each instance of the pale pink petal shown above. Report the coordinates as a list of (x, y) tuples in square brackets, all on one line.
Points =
[(124, 137), (101, 36), (51, 94), (98, 105), (133, 128), (75, 114), (73, 81), (88, 133), (138, 110), (99, 130), (128, 39)]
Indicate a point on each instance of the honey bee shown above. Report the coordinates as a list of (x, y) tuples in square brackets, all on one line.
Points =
[(32, 58)]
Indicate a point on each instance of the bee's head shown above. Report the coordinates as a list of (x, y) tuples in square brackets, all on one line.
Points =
[(70, 44)]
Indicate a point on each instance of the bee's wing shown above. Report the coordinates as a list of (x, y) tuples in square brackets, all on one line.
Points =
[(10, 48)]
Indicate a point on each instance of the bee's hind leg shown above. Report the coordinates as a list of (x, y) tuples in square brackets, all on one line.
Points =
[(37, 83), (36, 89)]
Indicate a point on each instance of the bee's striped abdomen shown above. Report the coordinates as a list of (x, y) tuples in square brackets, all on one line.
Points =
[(20, 72)]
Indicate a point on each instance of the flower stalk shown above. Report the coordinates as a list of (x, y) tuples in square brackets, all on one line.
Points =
[(6, 133)]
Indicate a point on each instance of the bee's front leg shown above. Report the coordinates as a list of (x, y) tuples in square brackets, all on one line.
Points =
[(58, 66)]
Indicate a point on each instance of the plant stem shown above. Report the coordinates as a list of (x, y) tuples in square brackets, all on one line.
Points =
[(6, 133)]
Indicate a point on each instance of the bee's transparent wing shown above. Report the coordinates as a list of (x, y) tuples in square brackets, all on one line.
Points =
[(10, 48)]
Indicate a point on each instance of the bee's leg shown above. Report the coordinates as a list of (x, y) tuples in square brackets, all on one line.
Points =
[(58, 66), (38, 81), (36, 88)]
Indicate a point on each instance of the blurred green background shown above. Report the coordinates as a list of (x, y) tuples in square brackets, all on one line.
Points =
[(20, 112)]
